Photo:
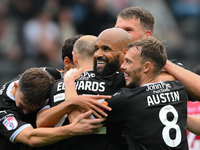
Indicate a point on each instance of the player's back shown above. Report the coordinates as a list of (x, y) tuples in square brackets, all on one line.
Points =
[(153, 117), (109, 137)]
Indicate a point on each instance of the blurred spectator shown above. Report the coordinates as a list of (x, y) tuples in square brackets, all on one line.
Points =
[(9, 43), (42, 38), (66, 23), (97, 19)]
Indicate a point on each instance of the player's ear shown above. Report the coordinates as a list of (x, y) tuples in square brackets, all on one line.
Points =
[(147, 67), (15, 84), (148, 33), (74, 58), (122, 56), (67, 63)]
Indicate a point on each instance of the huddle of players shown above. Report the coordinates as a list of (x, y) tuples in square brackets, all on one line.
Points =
[(142, 113), (152, 114)]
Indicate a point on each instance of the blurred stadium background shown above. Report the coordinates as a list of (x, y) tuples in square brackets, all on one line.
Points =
[(33, 31)]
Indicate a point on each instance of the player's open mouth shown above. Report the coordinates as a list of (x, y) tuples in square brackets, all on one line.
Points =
[(101, 63), (127, 76)]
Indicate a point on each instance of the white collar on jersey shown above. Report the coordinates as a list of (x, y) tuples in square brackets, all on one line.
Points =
[(8, 91)]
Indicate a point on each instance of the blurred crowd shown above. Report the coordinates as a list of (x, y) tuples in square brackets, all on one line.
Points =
[(33, 31)]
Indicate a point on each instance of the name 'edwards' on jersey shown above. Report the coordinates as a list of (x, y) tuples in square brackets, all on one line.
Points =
[(97, 85)]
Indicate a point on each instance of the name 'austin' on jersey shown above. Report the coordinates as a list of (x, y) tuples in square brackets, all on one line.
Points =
[(153, 116)]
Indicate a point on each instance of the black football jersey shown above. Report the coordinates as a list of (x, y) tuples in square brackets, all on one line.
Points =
[(89, 83), (11, 121), (109, 138), (153, 117)]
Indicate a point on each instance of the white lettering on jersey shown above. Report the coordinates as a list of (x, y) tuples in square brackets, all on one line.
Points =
[(60, 86), (3, 112), (158, 88), (90, 86), (1, 90), (163, 98)]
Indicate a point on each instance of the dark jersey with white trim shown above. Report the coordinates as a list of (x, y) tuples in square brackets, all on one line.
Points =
[(110, 137), (57, 96), (11, 120), (153, 117)]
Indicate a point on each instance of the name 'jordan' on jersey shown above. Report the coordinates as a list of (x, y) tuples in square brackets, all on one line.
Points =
[(153, 117), (89, 83)]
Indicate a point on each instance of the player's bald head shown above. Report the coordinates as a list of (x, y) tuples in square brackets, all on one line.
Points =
[(85, 45), (115, 35)]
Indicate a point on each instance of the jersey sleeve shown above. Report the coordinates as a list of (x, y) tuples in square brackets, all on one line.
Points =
[(11, 124)]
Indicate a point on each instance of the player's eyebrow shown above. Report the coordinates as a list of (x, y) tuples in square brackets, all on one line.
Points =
[(106, 47)]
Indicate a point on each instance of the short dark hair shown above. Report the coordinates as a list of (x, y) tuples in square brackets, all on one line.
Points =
[(151, 50), (68, 46), (147, 20), (35, 84)]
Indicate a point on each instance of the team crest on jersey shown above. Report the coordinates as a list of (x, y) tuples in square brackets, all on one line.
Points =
[(10, 123)]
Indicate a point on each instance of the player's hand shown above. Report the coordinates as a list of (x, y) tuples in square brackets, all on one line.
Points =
[(82, 126), (90, 102), (73, 74)]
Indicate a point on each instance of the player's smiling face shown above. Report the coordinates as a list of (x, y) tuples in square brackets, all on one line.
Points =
[(107, 55), (132, 67)]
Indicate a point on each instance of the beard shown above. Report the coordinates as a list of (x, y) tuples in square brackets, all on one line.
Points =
[(136, 78), (109, 68)]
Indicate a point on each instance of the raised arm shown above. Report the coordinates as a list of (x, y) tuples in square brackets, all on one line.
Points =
[(70, 90), (190, 80), (45, 119), (83, 102), (193, 124), (44, 136)]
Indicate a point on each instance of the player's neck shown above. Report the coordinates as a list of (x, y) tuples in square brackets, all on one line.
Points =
[(148, 80), (86, 66)]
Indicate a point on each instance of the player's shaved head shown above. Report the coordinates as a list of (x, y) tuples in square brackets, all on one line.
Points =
[(115, 35), (84, 46)]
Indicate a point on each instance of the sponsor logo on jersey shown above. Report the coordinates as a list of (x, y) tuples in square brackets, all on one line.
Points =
[(59, 97), (10, 123), (158, 88), (86, 76)]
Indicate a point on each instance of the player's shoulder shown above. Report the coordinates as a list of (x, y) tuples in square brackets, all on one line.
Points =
[(175, 83), (177, 62), (127, 92), (57, 84)]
